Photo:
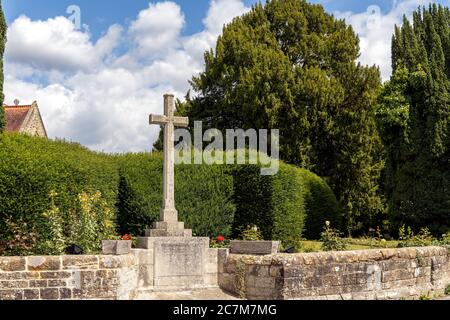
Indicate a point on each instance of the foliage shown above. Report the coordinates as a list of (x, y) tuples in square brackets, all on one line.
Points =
[(321, 205), (446, 239), (3, 28), (131, 215), (407, 238), (33, 168), (251, 233), (202, 193), (413, 118), (20, 238), (54, 194), (289, 65), (331, 239), (91, 223)]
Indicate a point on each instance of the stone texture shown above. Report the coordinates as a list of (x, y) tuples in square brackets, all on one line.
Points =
[(113, 247), (43, 263), (352, 275), (69, 277), (254, 247), (12, 264)]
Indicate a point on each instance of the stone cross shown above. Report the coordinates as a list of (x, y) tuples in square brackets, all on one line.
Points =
[(169, 224)]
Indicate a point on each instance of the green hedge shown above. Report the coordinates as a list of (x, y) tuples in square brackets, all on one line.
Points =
[(212, 200), (321, 205), (293, 204), (32, 168), (202, 193)]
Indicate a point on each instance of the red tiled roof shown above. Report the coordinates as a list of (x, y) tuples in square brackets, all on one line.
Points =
[(15, 115)]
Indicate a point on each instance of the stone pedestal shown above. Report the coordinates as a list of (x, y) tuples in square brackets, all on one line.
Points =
[(176, 263), (168, 229)]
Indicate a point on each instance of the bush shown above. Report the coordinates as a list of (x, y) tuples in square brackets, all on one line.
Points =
[(331, 239), (203, 195), (32, 168), (407, 238), (54, 193), (321, 205)]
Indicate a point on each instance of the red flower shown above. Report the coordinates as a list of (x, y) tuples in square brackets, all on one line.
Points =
[(221, 238), (127, 237)]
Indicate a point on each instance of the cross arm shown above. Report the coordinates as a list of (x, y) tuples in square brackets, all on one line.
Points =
[(181, 122), (156, 119)]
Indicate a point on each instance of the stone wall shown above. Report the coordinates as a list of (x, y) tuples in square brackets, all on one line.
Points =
[(68, 277), (353, 275)]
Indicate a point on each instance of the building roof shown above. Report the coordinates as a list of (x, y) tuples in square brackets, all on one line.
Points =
[(15, 116)]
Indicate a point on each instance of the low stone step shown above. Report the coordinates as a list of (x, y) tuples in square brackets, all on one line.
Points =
[(185, 233)]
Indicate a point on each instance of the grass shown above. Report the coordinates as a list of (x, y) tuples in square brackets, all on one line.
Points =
[(353, 244)]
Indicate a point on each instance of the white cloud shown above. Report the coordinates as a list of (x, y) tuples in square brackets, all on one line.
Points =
[(55, 44), (157, 29), (87, 94), (375, 31)]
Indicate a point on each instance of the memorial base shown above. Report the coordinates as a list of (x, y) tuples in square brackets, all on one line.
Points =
[(176, 263)]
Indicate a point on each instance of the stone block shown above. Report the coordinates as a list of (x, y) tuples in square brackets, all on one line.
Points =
[(254, 247), (116, 247), (10, 264), (80, 262), (16, 284), (38, 283), (11, 294), (144, 256), (185, 258), (65, 294), (146, 276), (222, 256), (49, 294), (117, 262), (43, 263), (31, 294), (56, 275), (56, 283), (17, 275), (227, 282)]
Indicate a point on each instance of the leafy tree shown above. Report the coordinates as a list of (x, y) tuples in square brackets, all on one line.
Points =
[(289, 65), (3, 28), (414, 121)]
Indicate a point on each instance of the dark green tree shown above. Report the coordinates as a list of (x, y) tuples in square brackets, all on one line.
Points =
[(288, 65), (414, 121), (3, 28)]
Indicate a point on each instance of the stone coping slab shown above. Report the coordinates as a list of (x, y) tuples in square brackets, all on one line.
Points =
[(254, 247)]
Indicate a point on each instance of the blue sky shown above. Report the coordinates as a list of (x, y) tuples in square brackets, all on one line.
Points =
[(99, 14), (96, 85)]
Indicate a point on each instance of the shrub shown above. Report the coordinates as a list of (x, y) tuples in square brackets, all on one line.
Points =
[(251, 233), (407, 238), (54, 193), (272, 203), (283, 205), (331, 239), (203, 195), (31, 169), (320, 204)]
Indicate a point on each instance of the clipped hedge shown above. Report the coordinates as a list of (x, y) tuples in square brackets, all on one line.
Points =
[(293, 204), (202, 194), (212, 200), (321, 205), (32, 168)]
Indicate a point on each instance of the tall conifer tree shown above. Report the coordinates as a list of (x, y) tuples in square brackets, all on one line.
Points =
[(289, 65), (414, 119)]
